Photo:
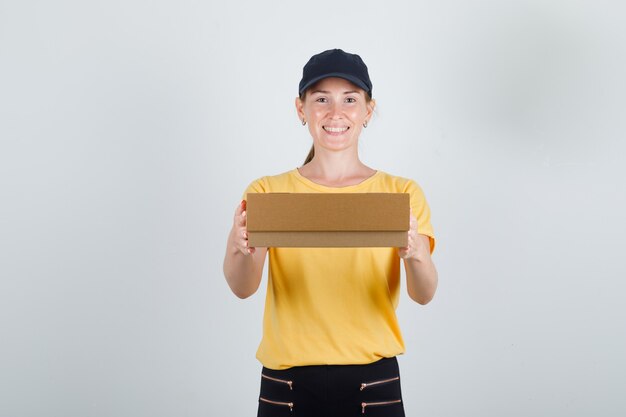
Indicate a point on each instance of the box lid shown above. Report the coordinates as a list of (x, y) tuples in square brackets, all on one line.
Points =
[(268, 212)]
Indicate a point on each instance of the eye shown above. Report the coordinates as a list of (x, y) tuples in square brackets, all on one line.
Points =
[(350, 100), (321, 100)]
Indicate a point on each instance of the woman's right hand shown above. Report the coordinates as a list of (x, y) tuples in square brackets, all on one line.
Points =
[(239, 232), (243, 273)]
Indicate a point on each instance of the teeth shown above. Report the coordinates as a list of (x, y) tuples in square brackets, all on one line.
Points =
[(335, 129)]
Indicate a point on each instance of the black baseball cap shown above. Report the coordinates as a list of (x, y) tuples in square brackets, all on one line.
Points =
[(335, 63)]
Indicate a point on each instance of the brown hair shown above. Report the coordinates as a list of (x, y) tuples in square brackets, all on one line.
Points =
[(311, 154)]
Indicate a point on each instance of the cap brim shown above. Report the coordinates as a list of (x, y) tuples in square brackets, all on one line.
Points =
[(348, 77)]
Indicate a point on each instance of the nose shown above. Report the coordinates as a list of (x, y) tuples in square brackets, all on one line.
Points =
[(335, 109)]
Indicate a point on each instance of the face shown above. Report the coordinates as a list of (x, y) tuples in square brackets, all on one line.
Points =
[(335, 110)]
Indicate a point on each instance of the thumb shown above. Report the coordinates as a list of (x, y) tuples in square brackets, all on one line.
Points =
[(240, 213)]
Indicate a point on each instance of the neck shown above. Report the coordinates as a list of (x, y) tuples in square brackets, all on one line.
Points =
[(336, 168)]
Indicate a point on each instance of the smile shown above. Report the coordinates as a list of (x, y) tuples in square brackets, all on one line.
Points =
[(335, 129)]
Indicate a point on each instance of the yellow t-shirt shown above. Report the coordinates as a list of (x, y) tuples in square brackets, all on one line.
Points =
[(334, 305)]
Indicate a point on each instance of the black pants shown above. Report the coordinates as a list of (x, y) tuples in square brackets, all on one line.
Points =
[(332, 391)]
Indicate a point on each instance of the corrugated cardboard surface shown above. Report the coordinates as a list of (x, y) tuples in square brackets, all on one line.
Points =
[(327, 220)]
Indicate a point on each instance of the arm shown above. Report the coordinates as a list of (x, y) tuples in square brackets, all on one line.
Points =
[(421, 274), (243, 266)]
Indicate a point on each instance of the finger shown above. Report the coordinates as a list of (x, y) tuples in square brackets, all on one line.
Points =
[(240, 214), (245, 243), (242, 246), (240, 207), (248, 248)]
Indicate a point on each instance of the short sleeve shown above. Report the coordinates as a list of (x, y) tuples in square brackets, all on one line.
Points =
[(421, 211), (256, 186)]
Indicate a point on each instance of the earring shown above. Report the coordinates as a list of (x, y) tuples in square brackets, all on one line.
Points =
[(365, 124), (303, 122)]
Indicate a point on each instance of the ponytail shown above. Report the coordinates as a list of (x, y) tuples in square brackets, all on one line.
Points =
[(310, 156)]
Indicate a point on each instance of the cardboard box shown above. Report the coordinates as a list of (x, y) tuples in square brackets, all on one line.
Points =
[(327, 220)]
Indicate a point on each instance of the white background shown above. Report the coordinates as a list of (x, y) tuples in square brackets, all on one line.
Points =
[(129, 130)]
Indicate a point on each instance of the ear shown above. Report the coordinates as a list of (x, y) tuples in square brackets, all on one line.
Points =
[(300, 108), (371, 105)]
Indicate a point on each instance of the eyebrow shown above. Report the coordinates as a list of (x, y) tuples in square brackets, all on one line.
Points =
[(328, 92)]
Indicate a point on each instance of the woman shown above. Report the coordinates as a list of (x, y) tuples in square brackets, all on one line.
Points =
[(330, 332)]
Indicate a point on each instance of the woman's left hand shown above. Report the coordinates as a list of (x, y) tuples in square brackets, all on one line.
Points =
[(418, 245)]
